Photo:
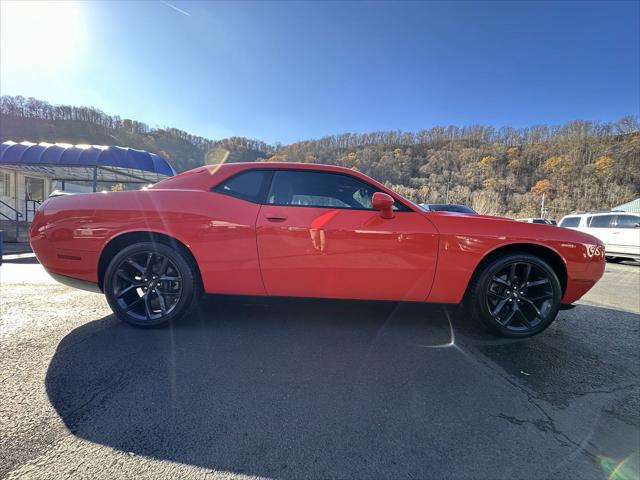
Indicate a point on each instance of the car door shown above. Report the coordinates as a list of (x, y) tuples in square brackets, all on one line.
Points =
[(600, 227), (319, 237), (625, 235), (226, 242)]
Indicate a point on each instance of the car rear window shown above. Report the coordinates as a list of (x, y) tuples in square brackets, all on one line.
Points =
[(246, 185), (570, 222), (627, 221), (600, 221)]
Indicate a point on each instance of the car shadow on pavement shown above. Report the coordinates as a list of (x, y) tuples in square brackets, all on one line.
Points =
[(289, 388), (23, 259)]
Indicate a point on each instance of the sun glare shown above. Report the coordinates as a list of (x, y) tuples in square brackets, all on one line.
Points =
[(39, 34)]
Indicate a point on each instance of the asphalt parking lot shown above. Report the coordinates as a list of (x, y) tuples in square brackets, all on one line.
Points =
[(287, 388)]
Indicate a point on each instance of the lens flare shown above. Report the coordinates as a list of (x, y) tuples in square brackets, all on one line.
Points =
[(626, 469)]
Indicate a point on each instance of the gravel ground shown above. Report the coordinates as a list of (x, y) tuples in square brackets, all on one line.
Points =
[(286, 388)]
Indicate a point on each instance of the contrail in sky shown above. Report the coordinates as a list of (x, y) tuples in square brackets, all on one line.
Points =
[(177, 9)]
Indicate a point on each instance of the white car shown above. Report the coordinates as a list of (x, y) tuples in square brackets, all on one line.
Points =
[(619, 231)]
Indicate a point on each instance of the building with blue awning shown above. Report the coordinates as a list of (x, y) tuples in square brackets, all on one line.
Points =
[(29, 172)]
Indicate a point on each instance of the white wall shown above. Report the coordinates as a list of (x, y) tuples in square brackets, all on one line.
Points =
[(18, 189)]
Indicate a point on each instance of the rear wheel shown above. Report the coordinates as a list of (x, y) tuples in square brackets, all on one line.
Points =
[(517, 295), (150, 284)]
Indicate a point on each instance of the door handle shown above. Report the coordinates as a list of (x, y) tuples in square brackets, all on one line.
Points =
[(276, 217)]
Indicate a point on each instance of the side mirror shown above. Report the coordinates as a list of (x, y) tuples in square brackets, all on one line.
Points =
[(383, 203)]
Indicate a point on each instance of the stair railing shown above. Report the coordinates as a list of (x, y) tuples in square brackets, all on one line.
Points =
[(30, 206), (16, 220)]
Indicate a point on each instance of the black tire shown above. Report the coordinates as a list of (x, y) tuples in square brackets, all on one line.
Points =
[(149, 284), (614, 259), (515, 312)]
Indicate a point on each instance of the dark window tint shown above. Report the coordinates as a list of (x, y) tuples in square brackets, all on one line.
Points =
[(539, 220), (319, 189), (570, 222), (447, 207), (601, 221), (246, 185), (627, 221)]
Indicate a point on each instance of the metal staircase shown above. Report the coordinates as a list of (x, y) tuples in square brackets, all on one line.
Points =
[(10, 223)]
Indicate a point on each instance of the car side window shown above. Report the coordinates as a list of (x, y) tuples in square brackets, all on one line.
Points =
[(627, 221), (601, 221), (570, 222), (247, 185), (320, 189)]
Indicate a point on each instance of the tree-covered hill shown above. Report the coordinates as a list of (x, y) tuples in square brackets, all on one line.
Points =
[(38, 121), (581, 165), (578, 166)]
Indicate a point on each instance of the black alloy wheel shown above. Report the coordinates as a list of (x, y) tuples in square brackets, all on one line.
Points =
[(517, 296), (149, 284)]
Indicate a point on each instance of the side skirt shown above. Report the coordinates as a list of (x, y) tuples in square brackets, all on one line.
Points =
[(75, 282)]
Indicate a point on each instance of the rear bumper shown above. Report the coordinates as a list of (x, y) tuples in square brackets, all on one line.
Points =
[(73, 263), (75, 282), (628, 256)]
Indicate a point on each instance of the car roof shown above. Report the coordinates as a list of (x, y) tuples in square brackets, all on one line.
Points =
[(232, 168), (594, 214), (199, 178), (192, 178)]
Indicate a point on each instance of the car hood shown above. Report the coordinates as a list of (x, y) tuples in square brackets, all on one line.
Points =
[(450, 223)]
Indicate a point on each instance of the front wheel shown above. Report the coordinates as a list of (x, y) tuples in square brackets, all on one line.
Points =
[(149, 284), (517, 295)]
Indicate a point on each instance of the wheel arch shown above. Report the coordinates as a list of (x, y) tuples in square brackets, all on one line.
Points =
[(122, 240), (546, 253)]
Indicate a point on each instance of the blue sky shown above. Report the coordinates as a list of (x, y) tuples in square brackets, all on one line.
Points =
[(291, 71)]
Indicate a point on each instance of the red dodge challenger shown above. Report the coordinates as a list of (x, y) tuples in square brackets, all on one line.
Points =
[(305, 230)]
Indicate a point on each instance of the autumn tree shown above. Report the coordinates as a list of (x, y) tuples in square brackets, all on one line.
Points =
[(541, 187)]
